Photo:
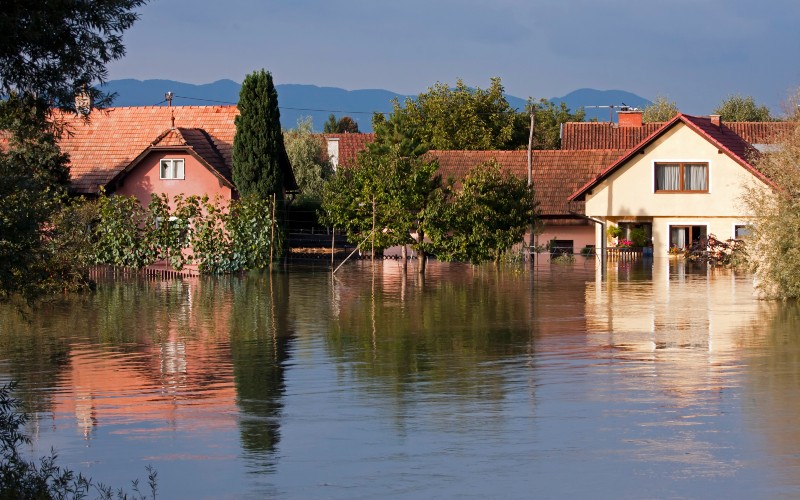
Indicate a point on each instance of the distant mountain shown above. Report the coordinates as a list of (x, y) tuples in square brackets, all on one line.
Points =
[(298, 101)]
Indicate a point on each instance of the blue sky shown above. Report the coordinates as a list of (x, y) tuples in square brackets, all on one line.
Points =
[(694, 52)]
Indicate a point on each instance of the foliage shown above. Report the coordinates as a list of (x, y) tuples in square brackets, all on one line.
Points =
[(614, 231), (393, 188), (33, 182), (638, 237), (486, 216), (341, 126), (716, 252), (737, 108), (309, 159), (52, 50), (20, 478), (548, 119), (259, 154), (662, 110), (48, 52), (775, 240), (187, 230), (563, 259), (447, 117)]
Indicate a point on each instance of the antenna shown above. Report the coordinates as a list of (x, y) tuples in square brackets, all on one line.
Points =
[(622, 107)]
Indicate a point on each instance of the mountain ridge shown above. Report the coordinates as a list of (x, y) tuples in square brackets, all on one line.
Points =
[(298, 100)]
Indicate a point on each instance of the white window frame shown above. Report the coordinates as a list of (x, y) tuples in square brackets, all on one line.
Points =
[(176, 165)]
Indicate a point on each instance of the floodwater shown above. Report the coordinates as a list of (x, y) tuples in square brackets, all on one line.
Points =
[(660, 380)]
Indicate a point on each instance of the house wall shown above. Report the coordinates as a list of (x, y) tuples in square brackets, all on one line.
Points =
[(629, 194), (145, 179)]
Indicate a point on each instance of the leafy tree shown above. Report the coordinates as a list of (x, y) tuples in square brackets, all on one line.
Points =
[(341, 126), (309, 159), (390, 191), (661, 110), (775, 240), (453, 118), (52, 50), (259, 154), (486, 217), (737, 108), (48, 52), (547, 124)]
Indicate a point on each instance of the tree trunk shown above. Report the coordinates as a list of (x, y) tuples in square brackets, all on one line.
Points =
[(404, 256)]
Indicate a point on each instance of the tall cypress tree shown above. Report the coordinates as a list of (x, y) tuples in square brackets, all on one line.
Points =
[(259, 155)]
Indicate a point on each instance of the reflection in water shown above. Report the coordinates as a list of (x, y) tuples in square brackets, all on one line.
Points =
[(659, 380)]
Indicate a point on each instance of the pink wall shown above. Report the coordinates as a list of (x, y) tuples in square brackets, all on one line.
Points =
[(580, 235), (145, 179)]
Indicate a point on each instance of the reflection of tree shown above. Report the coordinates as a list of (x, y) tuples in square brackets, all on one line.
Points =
[(772, 400), (439, 336), (261, 342)]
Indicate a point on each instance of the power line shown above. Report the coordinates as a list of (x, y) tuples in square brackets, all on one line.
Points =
[(290, 108)]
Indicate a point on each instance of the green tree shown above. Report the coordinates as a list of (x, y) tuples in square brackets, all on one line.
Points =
[(259, 154), (486, 217), (774, 246), (389, 192), (49, 51), (738, 108), (453, 118), (309, 159), (662, 110), (341, 126), (547, 124)]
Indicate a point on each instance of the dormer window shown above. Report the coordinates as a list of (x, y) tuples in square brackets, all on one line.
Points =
[(172, 169), (681, 178)]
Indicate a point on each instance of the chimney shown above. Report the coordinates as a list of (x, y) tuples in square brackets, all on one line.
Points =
[(333, 151), (84, 102), (630, 117), (716, 120)]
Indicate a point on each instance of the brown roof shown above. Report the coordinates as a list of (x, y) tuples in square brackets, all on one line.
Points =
[(720, 136), (113, 139), (761, 132), (350, 145), (556, 174)]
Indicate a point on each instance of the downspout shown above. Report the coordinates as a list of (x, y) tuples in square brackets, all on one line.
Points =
[(603, 249)]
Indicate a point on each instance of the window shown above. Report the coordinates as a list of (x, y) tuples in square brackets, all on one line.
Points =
[(682, 177), (172, 169), (741, 231), (682, 237), (560, 247)]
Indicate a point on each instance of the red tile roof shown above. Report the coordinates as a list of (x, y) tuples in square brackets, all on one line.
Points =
[(101, 148), (556, 174), (603, 135), (350, 145), (722, 137)]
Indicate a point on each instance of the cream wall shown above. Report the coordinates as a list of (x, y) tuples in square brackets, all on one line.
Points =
[(629, 194)]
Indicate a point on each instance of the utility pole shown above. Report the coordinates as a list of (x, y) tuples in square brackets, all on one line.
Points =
[(530, 176)]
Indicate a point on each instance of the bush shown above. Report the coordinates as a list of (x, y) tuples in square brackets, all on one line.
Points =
[(20, 478)]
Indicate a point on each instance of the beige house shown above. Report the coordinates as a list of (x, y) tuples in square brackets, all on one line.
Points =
[(684, 181)]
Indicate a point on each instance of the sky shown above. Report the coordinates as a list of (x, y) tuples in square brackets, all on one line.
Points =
[(693, 52)]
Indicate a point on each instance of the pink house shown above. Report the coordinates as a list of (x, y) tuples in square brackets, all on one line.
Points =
[(154, 149)]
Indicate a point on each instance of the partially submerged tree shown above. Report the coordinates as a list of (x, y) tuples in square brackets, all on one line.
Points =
[(485, 217), (738, 108), (774, 246), (259, 154), (662, 110), (383, 198), (49, 51)]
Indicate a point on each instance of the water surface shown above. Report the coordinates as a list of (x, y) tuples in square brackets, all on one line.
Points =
[(660, 380)]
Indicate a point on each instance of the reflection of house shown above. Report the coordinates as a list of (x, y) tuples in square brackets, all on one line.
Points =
[(154, 149), (682, 181)]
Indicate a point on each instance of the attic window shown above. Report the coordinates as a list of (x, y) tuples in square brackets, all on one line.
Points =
[(681, 177), (172, 169)]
